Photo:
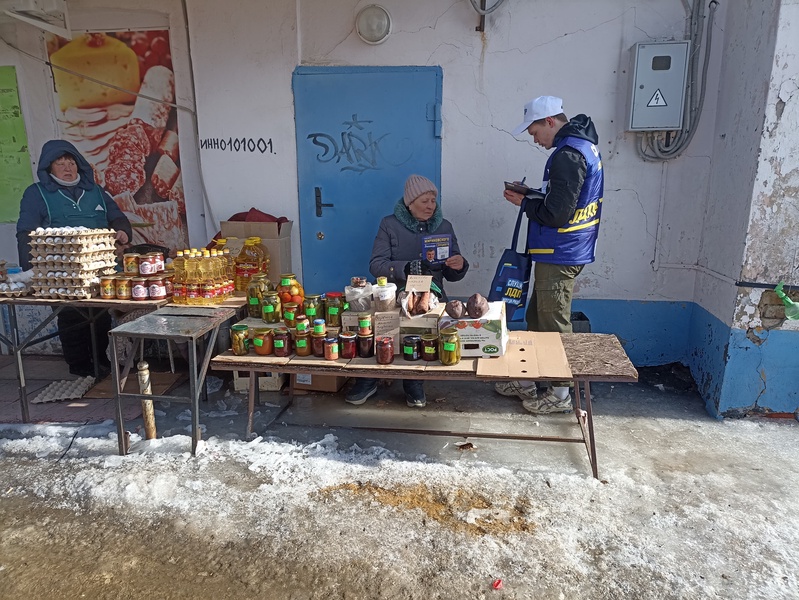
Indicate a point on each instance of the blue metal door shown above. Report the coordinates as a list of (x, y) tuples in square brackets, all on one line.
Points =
[(360, 132)]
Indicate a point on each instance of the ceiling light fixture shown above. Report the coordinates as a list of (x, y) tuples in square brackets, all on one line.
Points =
[(373, 24)]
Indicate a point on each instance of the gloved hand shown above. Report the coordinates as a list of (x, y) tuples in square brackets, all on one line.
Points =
[(422, 267)]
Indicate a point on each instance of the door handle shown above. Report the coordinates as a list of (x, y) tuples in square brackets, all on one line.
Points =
[(319, 203)]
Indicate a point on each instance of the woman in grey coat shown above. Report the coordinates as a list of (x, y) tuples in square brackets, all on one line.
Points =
[(397, 252)]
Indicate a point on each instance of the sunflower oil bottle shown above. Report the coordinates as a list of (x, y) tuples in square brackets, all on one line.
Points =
[(179, 280), (247, 264), (193, 282), (230, 270), (206, 269)]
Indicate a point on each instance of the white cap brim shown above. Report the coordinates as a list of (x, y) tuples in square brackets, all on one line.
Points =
[(521, 128)]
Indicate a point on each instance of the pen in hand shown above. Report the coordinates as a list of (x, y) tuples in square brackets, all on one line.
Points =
[(523, 180)]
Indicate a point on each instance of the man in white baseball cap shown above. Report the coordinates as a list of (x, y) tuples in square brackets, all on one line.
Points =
[(539, 108), (564, 224)]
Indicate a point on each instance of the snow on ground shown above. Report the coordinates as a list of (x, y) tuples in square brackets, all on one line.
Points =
[(684, 509)]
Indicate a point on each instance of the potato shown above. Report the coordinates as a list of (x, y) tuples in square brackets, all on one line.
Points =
[(476, 306)]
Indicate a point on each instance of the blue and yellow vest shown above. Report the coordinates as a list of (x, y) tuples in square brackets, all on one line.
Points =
[(575, 242), (88, 211)]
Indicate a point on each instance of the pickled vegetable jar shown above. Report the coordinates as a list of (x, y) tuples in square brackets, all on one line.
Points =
[(290, 313), (331, 348), (290, 290), (239, 339), (449, 346), (312, 306), (258, 286), (335, 306), (271, 308)]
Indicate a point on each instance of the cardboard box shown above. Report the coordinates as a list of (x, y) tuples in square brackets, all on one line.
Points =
[(383, 323), (268, 382), (422, 325), (277, 242), (484, 337), (319, 383)]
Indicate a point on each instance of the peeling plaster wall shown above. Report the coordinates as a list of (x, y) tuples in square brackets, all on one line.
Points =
[(772, 246)]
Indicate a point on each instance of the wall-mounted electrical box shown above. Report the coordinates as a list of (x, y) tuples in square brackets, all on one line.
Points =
[(659, 75)]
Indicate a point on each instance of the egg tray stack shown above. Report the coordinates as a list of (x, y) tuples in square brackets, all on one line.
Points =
[(10, 288), (64, 390), (68, 261)]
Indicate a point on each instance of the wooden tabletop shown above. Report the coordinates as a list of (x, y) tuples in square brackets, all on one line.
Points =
[(594, 357)]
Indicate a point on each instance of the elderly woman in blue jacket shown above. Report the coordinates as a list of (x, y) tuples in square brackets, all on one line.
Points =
[(67, 196), (397, 252)]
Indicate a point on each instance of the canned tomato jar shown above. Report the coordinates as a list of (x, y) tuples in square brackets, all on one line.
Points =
[(139, 288), (156, 288), (147, 265)]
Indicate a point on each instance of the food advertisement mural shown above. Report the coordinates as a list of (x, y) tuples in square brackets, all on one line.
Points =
[(126, 129)]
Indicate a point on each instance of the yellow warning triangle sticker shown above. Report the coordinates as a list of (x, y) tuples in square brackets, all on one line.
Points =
[(657, 99)]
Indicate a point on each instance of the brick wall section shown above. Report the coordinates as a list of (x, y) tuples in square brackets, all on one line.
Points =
[(772, 310)]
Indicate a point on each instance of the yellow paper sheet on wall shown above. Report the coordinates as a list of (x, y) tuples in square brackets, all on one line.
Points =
[(15, 161)]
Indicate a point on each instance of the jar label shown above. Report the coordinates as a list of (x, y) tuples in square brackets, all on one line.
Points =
[(429, 350), (289, 315), (310, 311), (302, 326), (364, 323), (302, 343), (449, 347), (407, 349), (258, 341), (346, 306), (254, 301), (334, 348), (279, 343), (333, 310), (318, 328), (269, 308), (285, 282)]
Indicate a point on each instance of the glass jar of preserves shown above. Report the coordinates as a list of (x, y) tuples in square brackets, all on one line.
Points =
[(139, 288), (282, 342), (271, 308), (156, 288), (130, 263), (318, 344), (263, 341), (122, 285), (384, 350), (365, 324), (319, 326), (258, 286), (430, 347), (334, 307), (449, 346), (290, 314), (331, 348), (290, 289), (169, 279), (301, 324), (366, 346), (239, 339), (302, 343), (412, 347), (312, 306), (108, 290), (147, 264), (348, 346)]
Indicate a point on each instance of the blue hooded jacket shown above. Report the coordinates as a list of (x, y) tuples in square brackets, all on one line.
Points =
[(33, 211)]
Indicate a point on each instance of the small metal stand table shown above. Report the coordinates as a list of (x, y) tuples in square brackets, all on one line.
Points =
[(91, 309), (196, 325)]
